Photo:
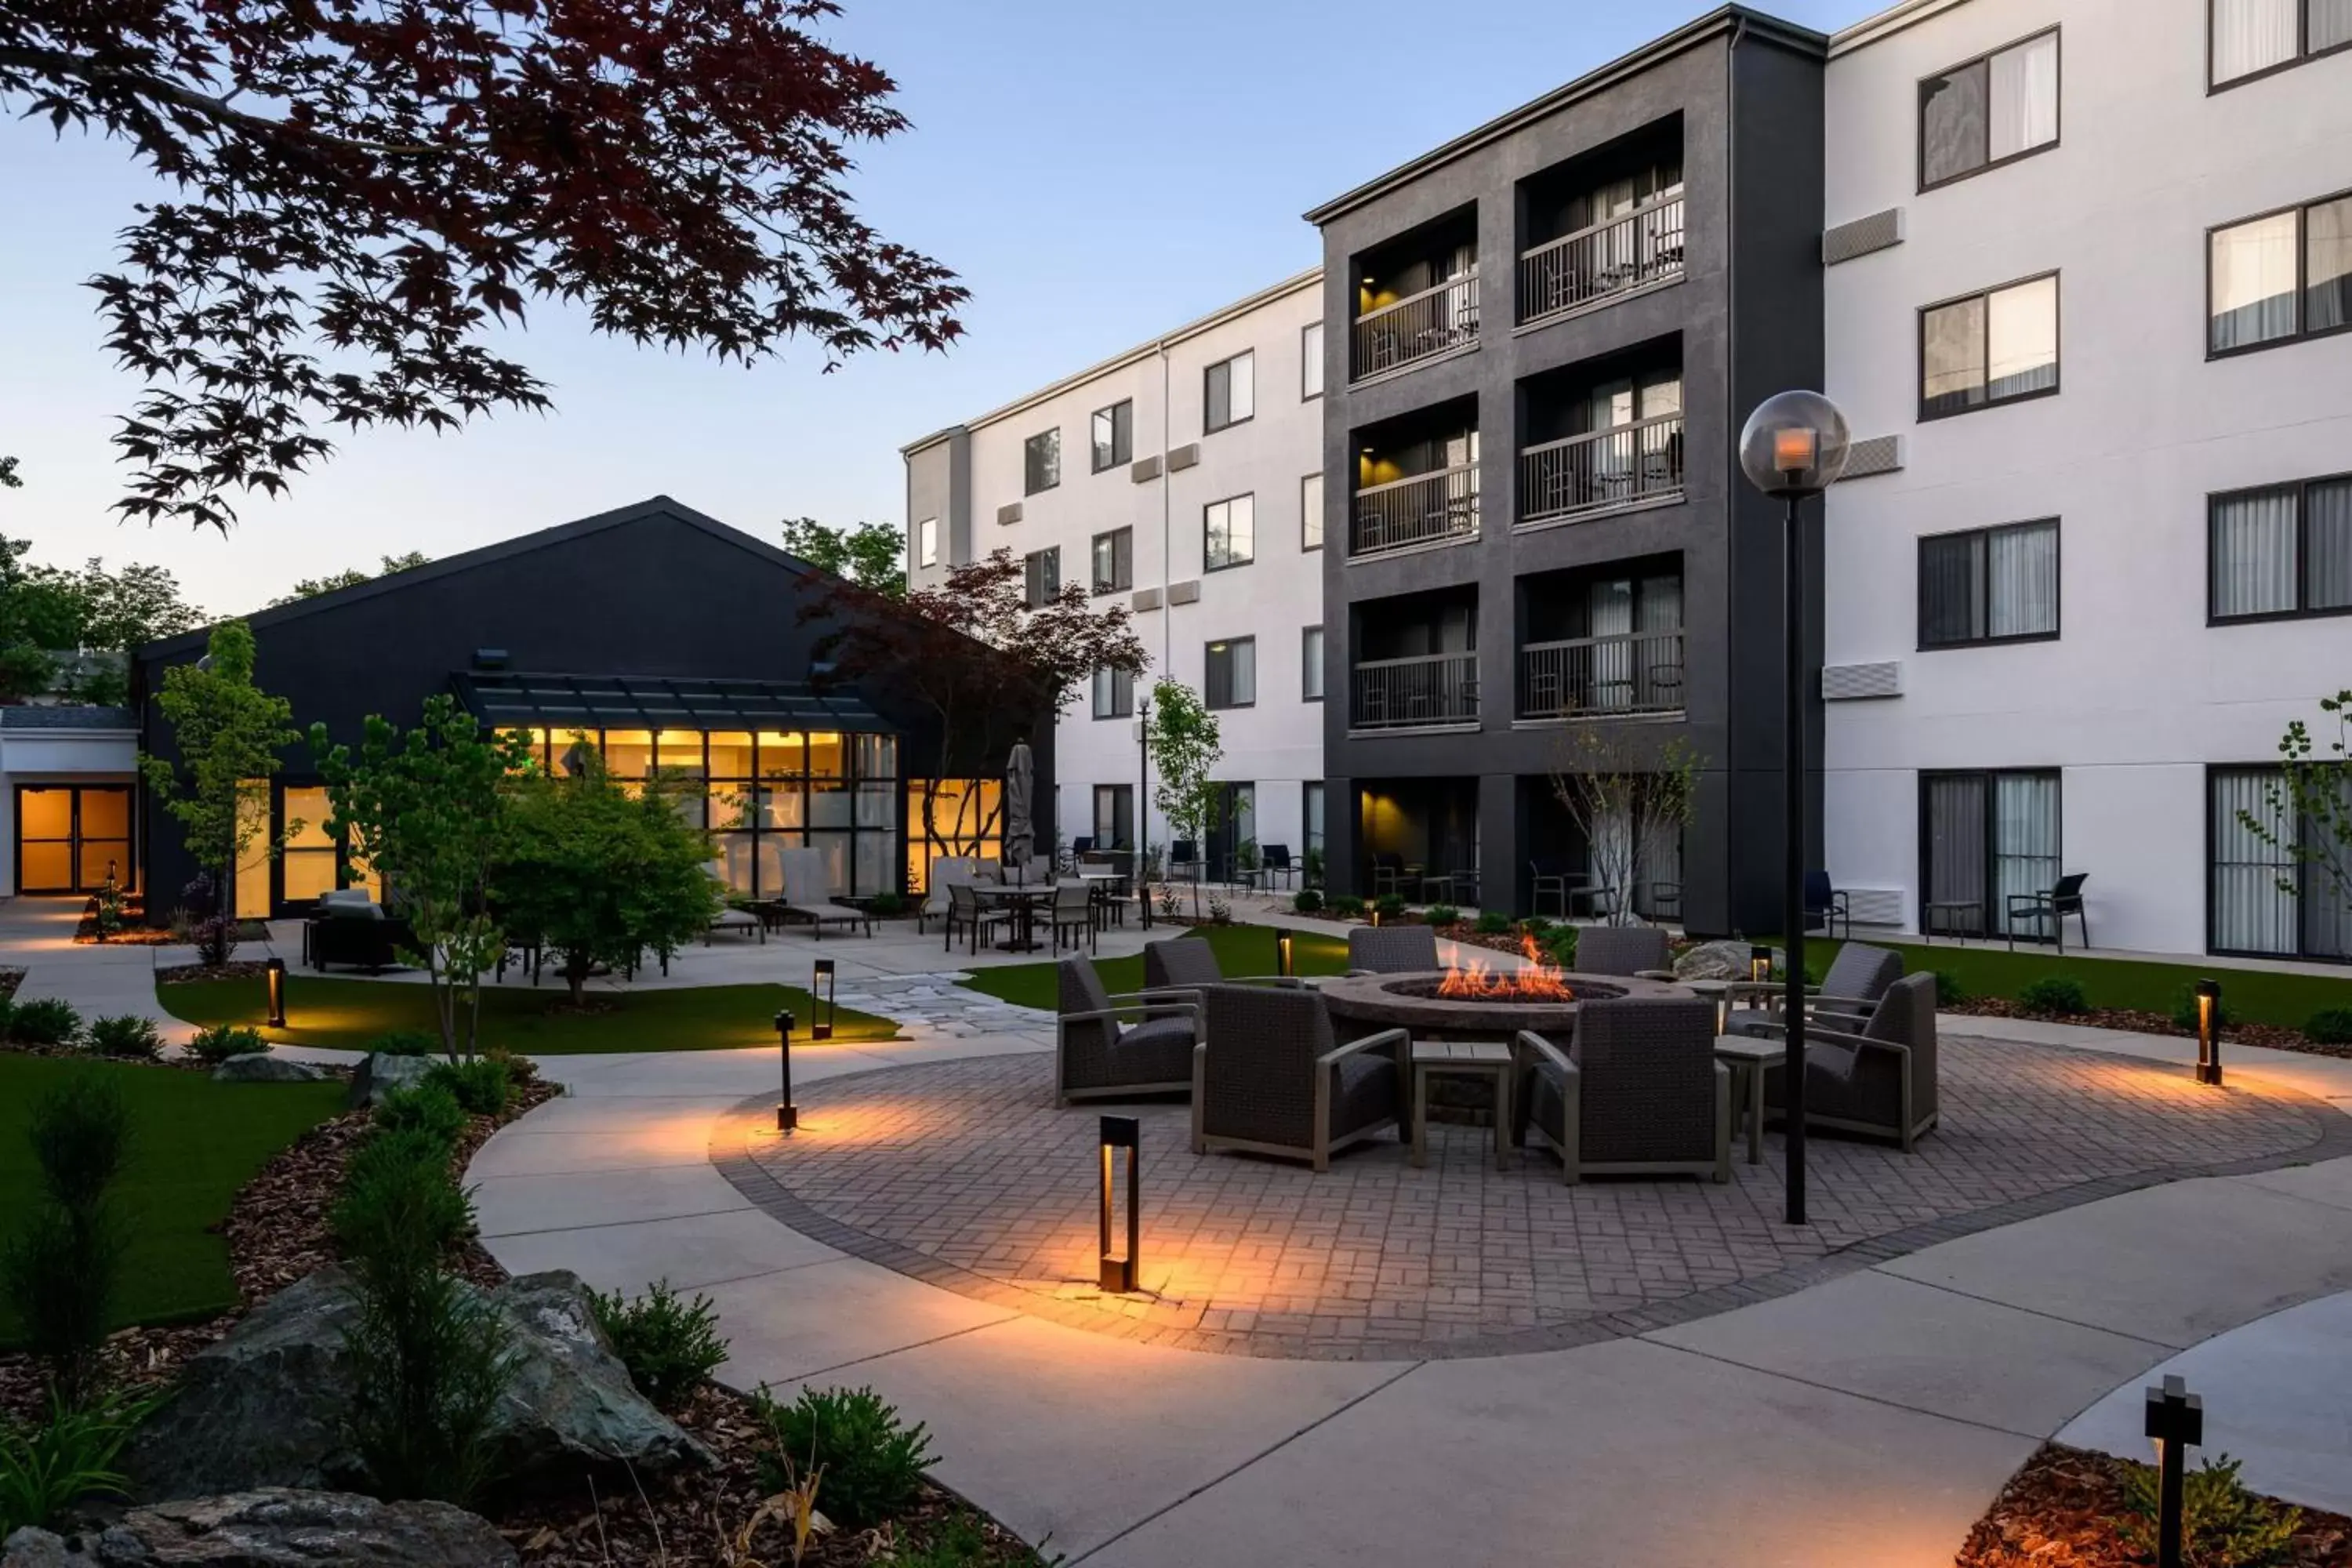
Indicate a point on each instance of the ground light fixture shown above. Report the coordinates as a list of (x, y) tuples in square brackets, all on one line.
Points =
[(820, 994), (1794, 446), (2209, 1032), (1285, 954), (2175, 1420), (1759, 964), (275, 978), (1119, 1274), (788, 1115)]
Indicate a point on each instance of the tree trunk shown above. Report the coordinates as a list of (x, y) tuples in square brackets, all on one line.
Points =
[(575, 974)]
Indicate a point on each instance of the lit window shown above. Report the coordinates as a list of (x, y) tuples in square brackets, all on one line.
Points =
[(2275, 278), (926, 542)]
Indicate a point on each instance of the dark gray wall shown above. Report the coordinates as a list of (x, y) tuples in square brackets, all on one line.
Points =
[(939, 484)]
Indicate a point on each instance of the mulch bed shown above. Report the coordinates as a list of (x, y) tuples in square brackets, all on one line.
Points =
[(235, 969), (2057, 1513), (2273, 1035)]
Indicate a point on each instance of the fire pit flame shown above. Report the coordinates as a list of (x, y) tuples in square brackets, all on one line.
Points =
[(1541, 980)]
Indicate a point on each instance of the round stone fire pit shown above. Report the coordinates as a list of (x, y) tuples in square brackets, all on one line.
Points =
[(1370, 1002)]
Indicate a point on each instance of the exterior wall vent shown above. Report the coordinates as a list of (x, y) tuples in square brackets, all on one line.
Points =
[(1145, 470), (1877, 455), (1861, 236), (1184, 593), (1146, 599), (1853, 682), (1875, 906), (1183, 458), (1010, 513)]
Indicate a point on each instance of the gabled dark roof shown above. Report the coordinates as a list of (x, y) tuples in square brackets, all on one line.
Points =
[(433, 571), (659, 703)]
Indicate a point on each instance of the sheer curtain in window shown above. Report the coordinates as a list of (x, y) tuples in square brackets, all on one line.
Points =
[(2249, 35), (2327, 538), (2024, 841), (2326, 902), (1956, 846), (1612, 662), (1951, 589), (2330, 22), (2023, 569), (2328, 265), (2022, 339), (2253, 553), (2251, 912), (2024, 96), (2253, 282)]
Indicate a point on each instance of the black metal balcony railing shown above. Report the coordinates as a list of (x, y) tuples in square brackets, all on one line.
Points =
[(1620, 466), (1404, 693), (1423, 509), (1643, 248), (1417, 326), (1632, 672)]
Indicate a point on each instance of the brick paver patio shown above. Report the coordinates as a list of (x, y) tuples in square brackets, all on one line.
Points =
[(963, 1174)]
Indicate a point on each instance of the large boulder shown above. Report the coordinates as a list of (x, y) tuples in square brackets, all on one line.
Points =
[(272, 1526), (269, 1405), (261, 1066), (379, 1074), (1717, 961)]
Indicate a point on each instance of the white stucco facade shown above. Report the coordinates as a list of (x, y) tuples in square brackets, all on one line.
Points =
[(51, 749), (1177, 469), (2137, 695)]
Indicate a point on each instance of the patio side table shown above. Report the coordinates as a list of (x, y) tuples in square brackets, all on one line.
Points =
[(1475, 1059), (1950, 909), (1749, 1057)]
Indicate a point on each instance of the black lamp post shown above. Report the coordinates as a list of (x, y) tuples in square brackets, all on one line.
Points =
[(1136, 861), (788, 1116), (1118, 1273), (820, 994), (275, 977), (1794, 446), (2209, 1032), (2176, 1419)]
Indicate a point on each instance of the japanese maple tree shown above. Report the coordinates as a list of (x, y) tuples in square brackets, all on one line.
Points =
[(357, 191)]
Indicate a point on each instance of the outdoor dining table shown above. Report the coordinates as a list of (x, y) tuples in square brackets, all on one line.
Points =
[(1023, 898)]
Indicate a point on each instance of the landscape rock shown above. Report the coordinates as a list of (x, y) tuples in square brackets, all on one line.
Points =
[(269, 1405), (261, 1066), (1717, 961), (272, 1526), (378, 1075)]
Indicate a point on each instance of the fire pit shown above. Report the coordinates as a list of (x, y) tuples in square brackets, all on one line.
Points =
[(1477, 1002)]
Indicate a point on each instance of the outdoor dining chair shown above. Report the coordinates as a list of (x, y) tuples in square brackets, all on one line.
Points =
[(1074, 912), (2052, 906)]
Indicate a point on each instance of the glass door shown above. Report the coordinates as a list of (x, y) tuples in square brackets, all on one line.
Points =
[(71, 838)]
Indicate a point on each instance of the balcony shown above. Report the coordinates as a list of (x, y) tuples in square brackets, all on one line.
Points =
[(1415, 693), (1421, 509), (1593, 265), (1436, 321), (1623, 466), (1603, 677)]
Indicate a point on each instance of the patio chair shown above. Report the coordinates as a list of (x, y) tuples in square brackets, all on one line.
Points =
[(1548, 879), (1879, 1081), (1275, 861), (1392, 949), (1665, 900), (2055, 906), (1852, 990), (988, 868), (966, 910), (1270, 1078), (946, 870), (1184, 861), (807, 897), (1825, 905), (1073, 911), (1187, 965), (1637, 1093), (1119, 1046), (1638, 950), (1388, 875)]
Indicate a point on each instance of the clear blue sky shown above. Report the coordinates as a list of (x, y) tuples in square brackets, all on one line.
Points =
[(1094, 172)]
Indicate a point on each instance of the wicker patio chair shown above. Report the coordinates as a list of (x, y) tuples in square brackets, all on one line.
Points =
[(1119, 1046), (1392, 949), (1879, 1081), (1187, 964), (1637, 1093), (1269, 1077), (1852, 990), (1638, 950)]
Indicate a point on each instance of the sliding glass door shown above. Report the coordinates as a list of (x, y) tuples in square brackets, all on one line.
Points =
[(2263, 893), (1985, 838)]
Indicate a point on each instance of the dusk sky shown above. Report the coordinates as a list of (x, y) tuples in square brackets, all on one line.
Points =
[(1095, 174)]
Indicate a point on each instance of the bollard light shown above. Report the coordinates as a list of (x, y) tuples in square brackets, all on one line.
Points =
[(1119, 1132), (2175, 1420), (276, 982), (1285, 958), (788, 1116), (821, 1001), (1759, 964), (2208, 1031)]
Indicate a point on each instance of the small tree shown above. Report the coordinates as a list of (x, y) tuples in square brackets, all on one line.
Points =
[(601, 875), (229, 731), (1625, 808), (428, 812), (2309, 805), (870, 554), (1185, 748)]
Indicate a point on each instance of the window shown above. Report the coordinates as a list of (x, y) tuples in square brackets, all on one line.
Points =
[(1114, 435), (1229, 394), (1989, 111), (1043, 573), (1311, 361), (1995, 347), (2285, 276), (1114, 816), (1987, 836), (1310, 665), (1041, 462), (2283, 551), (1310, 817), (1233, 673), (2251, 37), (926, 542), (2263, 893), (1990, 585), (1114, 694), (1310, 512), (1229, 533), (1114, 555)]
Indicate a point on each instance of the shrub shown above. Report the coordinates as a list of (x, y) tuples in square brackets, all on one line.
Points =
[(48, 1022), (1535, 926), (1347, 906), (2056, 994), (1221, 912), (398, 1190), (223, 1041), (873, 1464), (1561, 943), (669, 1344), (126, 1035), (2224, 1525), (1493, 922), (886, 906), (1948, 988), (481, 1085), (1306, 901), (405, 1043), (2184, 1011), (1442, 915), (59, 1271), (1390, 905), (48, 1467), (428, 1108), (2330, 1026)]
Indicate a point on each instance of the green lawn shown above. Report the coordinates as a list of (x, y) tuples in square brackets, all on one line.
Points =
[(2253, 996), (195, 1143), (1240, 949), (353, 1014)]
